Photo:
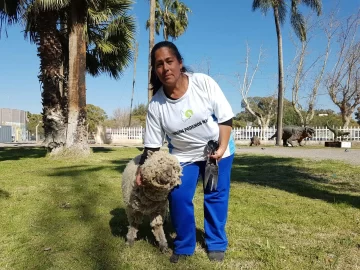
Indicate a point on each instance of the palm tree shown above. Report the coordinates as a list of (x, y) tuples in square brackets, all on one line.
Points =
[(118, 35), (41, 26), (172, 16), (298, 23), (108, 36), (151, 43)]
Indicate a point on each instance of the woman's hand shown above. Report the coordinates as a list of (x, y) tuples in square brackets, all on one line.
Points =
[(138, 180), (218, 153)]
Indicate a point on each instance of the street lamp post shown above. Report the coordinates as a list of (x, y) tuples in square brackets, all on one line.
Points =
[(36, 131)]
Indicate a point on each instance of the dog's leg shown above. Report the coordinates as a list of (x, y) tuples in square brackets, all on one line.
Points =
[(135, 219), (157, 222)]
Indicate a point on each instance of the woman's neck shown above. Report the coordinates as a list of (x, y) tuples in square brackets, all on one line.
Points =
[(179, 89)]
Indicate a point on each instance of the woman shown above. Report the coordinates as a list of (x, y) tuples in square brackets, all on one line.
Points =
[(189, 110)]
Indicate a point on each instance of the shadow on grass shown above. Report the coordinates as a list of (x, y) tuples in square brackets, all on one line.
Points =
[(119, 228), (17, 153), (120, 164), (4, 194), (102, 149), (276, 172), (80, 190), (76, 171), (80, 170)]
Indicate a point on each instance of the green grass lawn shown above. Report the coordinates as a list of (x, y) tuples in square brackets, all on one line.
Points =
[(284, 213)]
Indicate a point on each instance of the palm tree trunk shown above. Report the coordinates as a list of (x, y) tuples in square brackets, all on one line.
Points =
[(76, 131), (151, 43), (281, 78), (50, 53)]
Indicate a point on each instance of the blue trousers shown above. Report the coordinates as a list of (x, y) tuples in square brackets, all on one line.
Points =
[(215, 208)]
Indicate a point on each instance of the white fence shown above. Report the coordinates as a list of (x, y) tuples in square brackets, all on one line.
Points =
[(125, 133), (321, 133), (240, 134)]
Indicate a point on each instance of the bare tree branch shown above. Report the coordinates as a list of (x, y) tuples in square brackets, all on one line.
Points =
[(300, 75), (263, 116), (342, 81)]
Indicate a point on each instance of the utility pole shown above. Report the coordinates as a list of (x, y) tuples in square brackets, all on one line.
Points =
[(133, 86), (36, 131)]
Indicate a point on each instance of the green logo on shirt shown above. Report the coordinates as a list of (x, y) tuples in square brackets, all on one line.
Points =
[(186, 114)]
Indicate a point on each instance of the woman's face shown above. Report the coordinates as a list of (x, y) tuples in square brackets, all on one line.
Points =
[(167, 66)]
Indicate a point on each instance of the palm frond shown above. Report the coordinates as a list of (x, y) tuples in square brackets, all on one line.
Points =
[(297, 21), (52, 4), (110, 44), (10, 12), (172, 15), (263, 5), (282, 11), (97, 17), (298, 24), (315, 5), (122, 26), (30, 23)]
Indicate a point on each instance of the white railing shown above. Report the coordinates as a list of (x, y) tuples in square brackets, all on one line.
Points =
[(321, 133), (240, 134), (129, 133)]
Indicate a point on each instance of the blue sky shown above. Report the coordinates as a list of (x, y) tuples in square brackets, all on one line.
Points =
[(217, 33)]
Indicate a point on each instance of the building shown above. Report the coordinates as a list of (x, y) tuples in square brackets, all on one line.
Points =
[(5, 134), (17, 120)]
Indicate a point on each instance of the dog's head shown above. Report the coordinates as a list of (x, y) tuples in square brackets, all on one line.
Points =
[(161, 172), (308, 132)]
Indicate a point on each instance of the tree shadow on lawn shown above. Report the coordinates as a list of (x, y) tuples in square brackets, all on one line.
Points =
[(101, 149), (82, 196), (74, 201), (4, 194), (17, 153), (275, 172), (120, 164)]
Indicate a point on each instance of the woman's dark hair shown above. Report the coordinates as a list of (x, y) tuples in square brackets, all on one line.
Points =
[(154, 80)]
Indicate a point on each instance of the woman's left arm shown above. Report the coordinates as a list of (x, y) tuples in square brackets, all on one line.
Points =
[(223, 112), (224, 136)]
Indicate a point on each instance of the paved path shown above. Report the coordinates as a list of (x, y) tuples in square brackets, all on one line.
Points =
[(351, 156)]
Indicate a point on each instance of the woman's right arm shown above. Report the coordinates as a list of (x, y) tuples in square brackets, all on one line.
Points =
[(154, 138)]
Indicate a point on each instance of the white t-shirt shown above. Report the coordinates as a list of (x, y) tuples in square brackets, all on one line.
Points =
[(188, 123)]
